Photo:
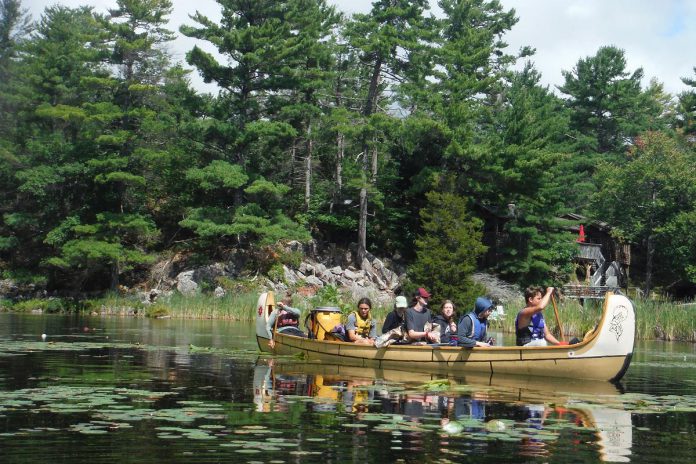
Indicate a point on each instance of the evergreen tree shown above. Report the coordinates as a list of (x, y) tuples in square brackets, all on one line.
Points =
[(686, 109), (266, 105), (527, 135), (388, 40), (448, 248)]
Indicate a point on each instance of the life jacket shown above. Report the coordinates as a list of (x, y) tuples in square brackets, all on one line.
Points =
[(534, 331), (362, 326), (478, 327), (287, 319)]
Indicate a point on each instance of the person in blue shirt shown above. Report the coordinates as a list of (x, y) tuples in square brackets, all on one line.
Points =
[(472, 327), (530, 328)]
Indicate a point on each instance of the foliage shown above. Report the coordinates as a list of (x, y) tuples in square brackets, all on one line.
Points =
[(322, 126), (652, 202), (49, 306), (447, 251)]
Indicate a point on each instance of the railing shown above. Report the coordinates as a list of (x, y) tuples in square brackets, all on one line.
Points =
[(588, 291)]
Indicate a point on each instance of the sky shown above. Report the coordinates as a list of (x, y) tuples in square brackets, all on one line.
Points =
[(657, 35)]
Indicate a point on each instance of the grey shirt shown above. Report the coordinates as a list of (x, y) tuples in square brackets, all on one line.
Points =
[(352, 324)]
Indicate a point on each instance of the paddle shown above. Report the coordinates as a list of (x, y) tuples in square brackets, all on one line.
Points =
[(558, 319)]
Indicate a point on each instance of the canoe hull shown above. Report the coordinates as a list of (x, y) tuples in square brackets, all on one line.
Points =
[(604, 355)]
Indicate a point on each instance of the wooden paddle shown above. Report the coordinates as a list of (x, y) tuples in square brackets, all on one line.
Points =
[(558, 319)]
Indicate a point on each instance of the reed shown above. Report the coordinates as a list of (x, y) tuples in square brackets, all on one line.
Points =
[(655, 319)]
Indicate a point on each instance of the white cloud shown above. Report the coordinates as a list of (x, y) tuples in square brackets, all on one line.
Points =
[(656, 35)]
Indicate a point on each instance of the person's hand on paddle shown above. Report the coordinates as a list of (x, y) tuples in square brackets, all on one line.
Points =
[(271, 344)]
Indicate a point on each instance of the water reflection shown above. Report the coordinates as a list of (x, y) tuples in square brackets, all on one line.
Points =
[(533, 413)]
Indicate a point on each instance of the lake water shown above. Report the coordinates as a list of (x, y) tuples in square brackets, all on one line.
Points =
[(149, 391)]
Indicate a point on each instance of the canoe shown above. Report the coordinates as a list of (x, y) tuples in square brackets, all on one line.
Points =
[(604, 354)]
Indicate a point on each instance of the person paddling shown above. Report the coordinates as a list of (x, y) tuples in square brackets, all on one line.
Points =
[(284, 319), (530, 327)]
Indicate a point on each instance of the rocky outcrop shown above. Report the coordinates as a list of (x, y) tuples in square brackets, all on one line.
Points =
[(321, 266), (374, 279)]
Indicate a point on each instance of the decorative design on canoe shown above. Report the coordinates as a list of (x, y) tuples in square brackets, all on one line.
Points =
[(616, 324)]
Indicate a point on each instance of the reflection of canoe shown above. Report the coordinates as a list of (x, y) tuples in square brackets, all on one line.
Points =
[(589, 400), (604, 355), (504, 386)]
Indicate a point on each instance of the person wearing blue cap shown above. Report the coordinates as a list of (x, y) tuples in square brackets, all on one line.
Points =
[(471, 330)]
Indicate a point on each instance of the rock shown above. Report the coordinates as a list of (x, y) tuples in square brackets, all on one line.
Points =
[(377, 264), (336, 270), (294, 245), (367, 268), (350, 275), (8, 288), (319, 269), (327, 276), (185, 284), (219, 292), (209, 273), (289, 276), (313, 280), (380, 283), (306, 268)]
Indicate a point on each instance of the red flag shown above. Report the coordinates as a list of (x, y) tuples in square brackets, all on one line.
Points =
[(581, 235)]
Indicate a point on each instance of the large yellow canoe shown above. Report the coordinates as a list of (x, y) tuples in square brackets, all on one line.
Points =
[(603, 355)]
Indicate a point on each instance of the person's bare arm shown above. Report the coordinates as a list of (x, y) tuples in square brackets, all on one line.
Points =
[(526, 314), (549, 336)]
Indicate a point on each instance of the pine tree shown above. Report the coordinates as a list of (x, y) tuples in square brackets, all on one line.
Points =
[(448, 248)]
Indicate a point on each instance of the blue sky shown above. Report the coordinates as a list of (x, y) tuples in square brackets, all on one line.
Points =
[(657, 35)]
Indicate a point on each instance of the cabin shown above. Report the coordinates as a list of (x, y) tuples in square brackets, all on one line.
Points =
[(602, 263)]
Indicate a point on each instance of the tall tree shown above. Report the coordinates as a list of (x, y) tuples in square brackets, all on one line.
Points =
[(388, 40), (649, 200), (526, 134), (267, 102), (448, 248), (686, 108), (48, 178), (607, 103)]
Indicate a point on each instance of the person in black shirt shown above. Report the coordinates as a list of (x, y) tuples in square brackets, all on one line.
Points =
[(396, 318)]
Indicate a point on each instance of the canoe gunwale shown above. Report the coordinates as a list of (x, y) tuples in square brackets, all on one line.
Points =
[(592, 358)]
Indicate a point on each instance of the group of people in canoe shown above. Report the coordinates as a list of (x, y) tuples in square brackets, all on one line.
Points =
[(415, 322)]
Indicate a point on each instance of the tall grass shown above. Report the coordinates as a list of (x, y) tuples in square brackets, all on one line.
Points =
[(236, 306), (655, 319)]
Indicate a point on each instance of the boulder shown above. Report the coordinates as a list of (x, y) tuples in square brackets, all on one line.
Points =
[(313, 280), (289, 276), (219, 292), (209, 273), (350, 275), (185, 283)]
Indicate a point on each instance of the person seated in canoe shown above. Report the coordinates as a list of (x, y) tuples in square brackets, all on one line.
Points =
[(530, 328), (419, 318), (447, 320), (396, 318), (360, 326), (284, 319), (472, 327)]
